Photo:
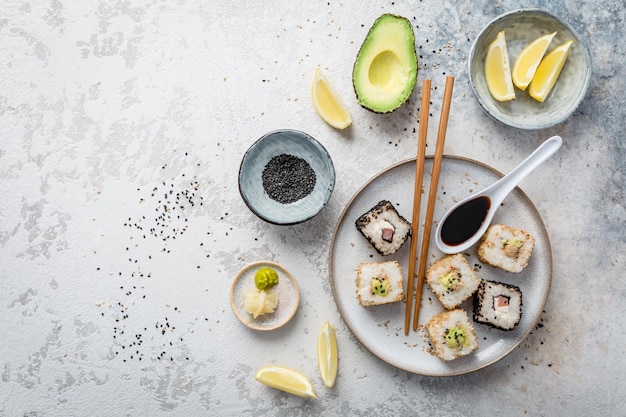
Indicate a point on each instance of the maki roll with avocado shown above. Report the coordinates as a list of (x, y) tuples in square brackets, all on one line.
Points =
[(452, 279), (498, 305), (384, 228), (379, 283), (451, 334), (505, 247)]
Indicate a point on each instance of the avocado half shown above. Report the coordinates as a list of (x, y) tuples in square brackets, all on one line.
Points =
[(385, 70)]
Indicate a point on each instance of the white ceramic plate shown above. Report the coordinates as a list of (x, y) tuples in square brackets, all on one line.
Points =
[(288, 297), (381, 328)]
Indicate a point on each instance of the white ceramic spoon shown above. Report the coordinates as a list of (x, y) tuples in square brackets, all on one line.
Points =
[(465, 222)]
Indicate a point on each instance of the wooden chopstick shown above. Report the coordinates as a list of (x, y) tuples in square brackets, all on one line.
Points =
[(417, 197), (432, 195)]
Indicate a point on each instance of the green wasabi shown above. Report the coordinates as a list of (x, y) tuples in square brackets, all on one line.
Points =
[(265, 278)]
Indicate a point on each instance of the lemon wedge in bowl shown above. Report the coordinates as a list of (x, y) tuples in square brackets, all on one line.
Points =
[(327, 358), (327, 102), (528, 60), (498, 70), (548, 71), (286, 379)]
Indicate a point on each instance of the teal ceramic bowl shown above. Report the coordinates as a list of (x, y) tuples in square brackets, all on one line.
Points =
[(286, 177), (522, 27)]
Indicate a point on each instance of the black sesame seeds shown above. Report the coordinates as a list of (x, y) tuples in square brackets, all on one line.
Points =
[(164, 209), (288, 178)]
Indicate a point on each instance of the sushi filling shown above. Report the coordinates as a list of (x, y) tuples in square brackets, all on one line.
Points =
[(380, 286), (512, 247), (456, 337), (501, 303), (387, 230), (452, 280)]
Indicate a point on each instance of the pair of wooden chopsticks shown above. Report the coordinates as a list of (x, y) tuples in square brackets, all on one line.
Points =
[(432, 195)]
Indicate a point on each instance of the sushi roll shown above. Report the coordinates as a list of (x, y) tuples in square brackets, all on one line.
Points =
[(498, 305), (452, 279), (506, 247), (379, 283), (384, 228), (452, 334)]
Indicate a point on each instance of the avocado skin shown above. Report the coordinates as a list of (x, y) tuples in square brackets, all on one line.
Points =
[(360, 100)]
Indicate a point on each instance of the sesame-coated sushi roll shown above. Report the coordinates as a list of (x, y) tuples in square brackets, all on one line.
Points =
[(452, 279), (506, 247), (379, 283), (451, 334), (384, 228), (498, 305)]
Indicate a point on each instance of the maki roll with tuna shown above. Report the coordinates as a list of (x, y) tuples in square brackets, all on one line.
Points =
[(452, 279), (498, 305), (384, 228), (451, 334), (506, 247)]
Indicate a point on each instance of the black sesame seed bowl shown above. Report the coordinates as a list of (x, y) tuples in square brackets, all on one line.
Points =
[(286, 177)]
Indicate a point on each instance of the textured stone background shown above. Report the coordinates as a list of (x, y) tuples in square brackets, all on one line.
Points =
[(111, 110)]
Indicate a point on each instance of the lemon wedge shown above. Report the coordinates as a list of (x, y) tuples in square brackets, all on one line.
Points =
[(528, 60), (287, 380), (327, 102), (548, 72), (498, 70), (327, 358)]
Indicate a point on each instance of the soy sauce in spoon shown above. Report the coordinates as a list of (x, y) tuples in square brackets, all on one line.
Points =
[(465, 221)]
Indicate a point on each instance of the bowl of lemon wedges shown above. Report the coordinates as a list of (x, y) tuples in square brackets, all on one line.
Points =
[(529, 69)]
